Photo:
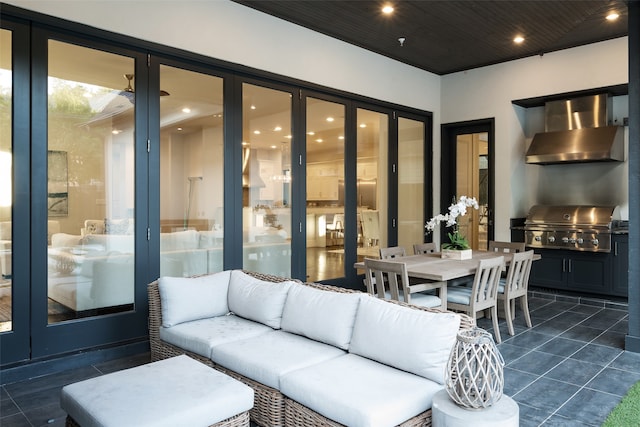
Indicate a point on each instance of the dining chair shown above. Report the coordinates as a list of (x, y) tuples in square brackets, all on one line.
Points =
[(370, 228), (389, 280), (392, 252), (506, 247), (516, 286), (483, 295), (425, 248), (335, 229)]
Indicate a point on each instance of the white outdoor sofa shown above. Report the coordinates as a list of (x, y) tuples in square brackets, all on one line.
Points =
[(313, 354)]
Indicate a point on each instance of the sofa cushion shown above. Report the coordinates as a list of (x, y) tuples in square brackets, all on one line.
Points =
[(201, 336), (324, 316), (359, 392), (266, 357), (413, 340), (179, 240), (184, 299), (257, 300), (110, 242), (64, 240)]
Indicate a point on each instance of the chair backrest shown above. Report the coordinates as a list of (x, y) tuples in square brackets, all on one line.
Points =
[(506, 247), (425, 248), (517, 281), (338, 221), (380, 275), (392, 252), (486, 282), (370, 225)]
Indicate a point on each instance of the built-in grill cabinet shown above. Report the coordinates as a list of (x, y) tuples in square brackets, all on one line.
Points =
[(583, 249)]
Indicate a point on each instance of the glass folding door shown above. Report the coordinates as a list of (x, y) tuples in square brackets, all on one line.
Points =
[(191, 172)]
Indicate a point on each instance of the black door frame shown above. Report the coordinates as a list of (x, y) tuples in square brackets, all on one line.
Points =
[(449, 133)]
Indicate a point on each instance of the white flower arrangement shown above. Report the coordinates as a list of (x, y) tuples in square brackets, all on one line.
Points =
[(456, 209)]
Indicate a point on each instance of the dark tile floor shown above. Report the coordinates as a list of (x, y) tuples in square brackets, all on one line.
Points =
[(570, 369)]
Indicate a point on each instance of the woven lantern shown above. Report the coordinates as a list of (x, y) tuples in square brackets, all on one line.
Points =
[(474, 376)]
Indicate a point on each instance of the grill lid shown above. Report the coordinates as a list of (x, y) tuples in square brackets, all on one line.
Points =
[(572, 216)]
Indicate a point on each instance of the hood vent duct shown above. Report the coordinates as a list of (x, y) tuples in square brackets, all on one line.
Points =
[(576, 130)]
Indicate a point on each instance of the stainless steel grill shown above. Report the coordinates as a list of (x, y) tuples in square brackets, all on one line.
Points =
[(573, 227)]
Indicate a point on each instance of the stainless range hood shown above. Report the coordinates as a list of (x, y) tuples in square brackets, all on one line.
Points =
[(576, 130)]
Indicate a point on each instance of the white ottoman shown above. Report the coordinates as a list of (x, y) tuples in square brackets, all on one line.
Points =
[(174, 392), (445, 413)]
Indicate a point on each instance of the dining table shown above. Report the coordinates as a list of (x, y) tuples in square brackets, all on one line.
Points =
[(440, 271)]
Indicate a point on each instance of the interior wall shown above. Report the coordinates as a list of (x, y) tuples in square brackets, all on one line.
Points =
[(493, 89)]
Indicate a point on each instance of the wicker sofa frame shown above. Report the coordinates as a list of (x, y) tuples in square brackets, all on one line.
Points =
[(271, 408)]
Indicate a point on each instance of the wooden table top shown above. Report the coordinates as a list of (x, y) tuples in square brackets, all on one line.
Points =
[(433, 267)]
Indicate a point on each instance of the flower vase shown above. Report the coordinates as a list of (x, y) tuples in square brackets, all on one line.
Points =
[(460, 254)]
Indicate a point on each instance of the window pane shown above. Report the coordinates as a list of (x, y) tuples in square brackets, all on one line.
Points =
[(6, 178), (373, 142), (410, 183), (325, 190), (90, 182), (266, 192), (191, 173)]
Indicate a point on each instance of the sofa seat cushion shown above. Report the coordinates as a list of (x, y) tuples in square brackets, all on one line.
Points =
[(413, 340), (266, 357), (358, 392), (256, 299), (201, 336), (323, 316), (184, 299)]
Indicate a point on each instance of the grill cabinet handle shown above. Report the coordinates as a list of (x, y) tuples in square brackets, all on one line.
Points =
[(615, 248), (569, 266), (564, 265)]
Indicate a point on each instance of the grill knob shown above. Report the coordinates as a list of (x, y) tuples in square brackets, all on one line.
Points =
[(572, 240), (580, 241), (552, 239), (538, 239), (594, 242), (565, 240)]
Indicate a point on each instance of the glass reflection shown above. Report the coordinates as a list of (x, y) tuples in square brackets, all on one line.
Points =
[(90, 188), (192, 173), (6, 175), (266, 180)]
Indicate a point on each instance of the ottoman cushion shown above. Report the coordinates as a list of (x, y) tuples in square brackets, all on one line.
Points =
[(171, 392)]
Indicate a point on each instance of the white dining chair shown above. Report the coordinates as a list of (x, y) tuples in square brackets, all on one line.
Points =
[(392, 252), (516, 286), (505, 247), (483, 295), (425, 248), (389, 280)]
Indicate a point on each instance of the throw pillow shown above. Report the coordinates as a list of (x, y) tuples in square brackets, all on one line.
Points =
[(184, 299), (256, 299), (323, 316), (412, 340)]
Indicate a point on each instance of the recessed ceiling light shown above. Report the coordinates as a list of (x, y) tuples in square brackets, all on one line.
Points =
[(341, 137), (277, 129), (186, 110), (179, 129), (330, 119), (253, 107), (311, 133), (319, 140), (116, 131), (256, 132), (612, 16), (387, 9), (245, 143), (518, 39), (274, 147), (288, 136), (362, 125)]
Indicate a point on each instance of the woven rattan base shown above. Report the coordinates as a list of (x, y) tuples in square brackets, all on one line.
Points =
[(297, 415), (269, 404), (240, 420)]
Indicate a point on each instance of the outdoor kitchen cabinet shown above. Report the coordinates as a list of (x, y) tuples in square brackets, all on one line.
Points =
[(620, 255), (586, 272)]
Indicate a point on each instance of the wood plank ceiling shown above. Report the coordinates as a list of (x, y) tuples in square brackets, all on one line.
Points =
[(449, 36)]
